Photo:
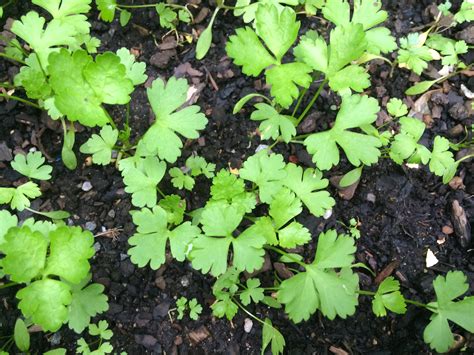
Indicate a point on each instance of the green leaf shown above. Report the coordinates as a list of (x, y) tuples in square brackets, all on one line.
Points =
[(174, 207), (58, 351), (125, 17), (355, 111), (107, 9), (226, 187), (195, 309), (149, 243), (224, 307), (45, 302), (405, 144), (81, 85), (368, 13), (351, 77), (167, 15), (293, 235), (413, 54), (87, 302), (438, 333), (43, 41), (32, 78), (7, 221), (304, 184), (67, 153), (380, 40), (70, 251), (25, 254), (273, 123), (320, 286), (198, 166), (284, 207), (313, 51), (21, 335), (135, 70), (247, 51), (337, 11), (19, 198), (271, 335), (465, 13), (388, 296), (161, 137), (101, 329), (253, 292), (277, 29), (420, 87), (348, 43), (181, 180), (204, 42), (351, 177), (441, 158), (284, 80), (141, 180), (101, 146), (266, 171), (56, 214), (210, 252), (397, 108)]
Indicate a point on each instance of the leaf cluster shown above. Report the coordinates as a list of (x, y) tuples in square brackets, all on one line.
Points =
[(53, 261)]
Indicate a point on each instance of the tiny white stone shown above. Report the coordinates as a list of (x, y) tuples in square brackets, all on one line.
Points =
[(468, 93), (327, 214), (86, 186), (248, 324), (412, 166), (431, 259), (261, 147)]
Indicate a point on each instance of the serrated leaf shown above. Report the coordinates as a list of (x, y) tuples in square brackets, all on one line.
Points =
[(293, 235), (161, 138), (19, 198), (87, 302), (135, 70), (266, 171), (45, 302), (7, 221), (397, 108), (270, 335), (149, 243), (441, 158), (25, 254), (101, 146), (273, 123), (284, 207), (253, 292), (320, 287), (141, 180), (107, 9), (388, 296), (181, 180), (70, 251), (304, 184), (355, 111)]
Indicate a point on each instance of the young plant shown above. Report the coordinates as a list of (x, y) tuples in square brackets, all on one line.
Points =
[(100, 330), (193, 308), (194, 166), (52, 261)]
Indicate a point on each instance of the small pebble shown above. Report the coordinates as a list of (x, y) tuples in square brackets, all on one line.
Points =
[(327, 214), (86, 186), (248, 324), (111, 214), (91, 226), (55, 339), (261, 147), (123, 256), (371, 197), (184, 281), (97, 246)]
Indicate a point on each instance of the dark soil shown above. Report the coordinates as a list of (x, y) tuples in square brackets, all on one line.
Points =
[(402, 211)]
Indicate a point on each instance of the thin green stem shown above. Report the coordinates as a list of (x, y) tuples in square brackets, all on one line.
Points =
[(16, 98), (9, 57), (160, 192), (465, 158), (296, 142), (111, 121), (273, 144), (284, 253), (303, 93), (10, 284), (311, 103), (245, 310), (174, 6)]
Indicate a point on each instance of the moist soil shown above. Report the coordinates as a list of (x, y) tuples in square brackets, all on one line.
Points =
[(402, 212)]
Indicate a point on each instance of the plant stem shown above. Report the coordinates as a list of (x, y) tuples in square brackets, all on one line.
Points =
[(305, 90), (10, 284), (16, 98), (465, 158), (284, 253), (245, 310), (313, 100), (160, 192), (12, 58)]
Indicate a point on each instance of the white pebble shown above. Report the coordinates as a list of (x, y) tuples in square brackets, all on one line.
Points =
[(248, 324), (327, 214), (86, 186), (431, 259)]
